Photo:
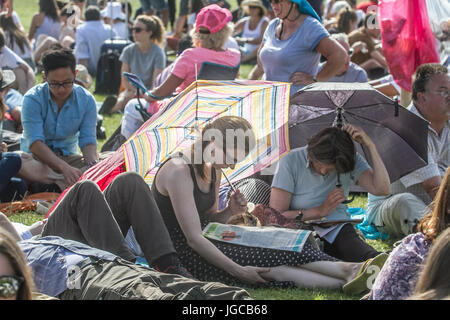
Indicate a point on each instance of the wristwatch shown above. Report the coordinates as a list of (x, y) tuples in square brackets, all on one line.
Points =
[(299, 217)]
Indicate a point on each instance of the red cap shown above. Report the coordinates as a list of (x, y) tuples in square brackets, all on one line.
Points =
[(213, 18)]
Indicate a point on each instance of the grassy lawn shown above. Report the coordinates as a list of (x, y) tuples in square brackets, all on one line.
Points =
[(25, 9)]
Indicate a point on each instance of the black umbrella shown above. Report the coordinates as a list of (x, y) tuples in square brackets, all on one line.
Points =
[(399, 135)]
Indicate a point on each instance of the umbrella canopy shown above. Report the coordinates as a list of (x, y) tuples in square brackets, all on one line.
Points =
[(177, 125), (399, 135)]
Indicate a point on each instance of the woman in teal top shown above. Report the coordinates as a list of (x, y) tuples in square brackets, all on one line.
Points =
[(293, 43)]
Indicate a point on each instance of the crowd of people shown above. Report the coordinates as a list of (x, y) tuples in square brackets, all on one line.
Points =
[(104, 235)]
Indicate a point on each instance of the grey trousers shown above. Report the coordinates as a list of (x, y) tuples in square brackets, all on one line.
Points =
[(101, 220), (122, 280)]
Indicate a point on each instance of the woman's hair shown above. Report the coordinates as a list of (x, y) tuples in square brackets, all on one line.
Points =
[(49, 8), (438, 219), (344, 18), (155, 25), (10, 249), (16, 35), (221, 126), (434, 279), (214, 41), (333, 146)]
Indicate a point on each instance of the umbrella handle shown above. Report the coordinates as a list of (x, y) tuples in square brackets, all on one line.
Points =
[(338, 185)]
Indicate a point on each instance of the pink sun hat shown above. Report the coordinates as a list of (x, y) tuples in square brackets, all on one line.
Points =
[(213, 18)]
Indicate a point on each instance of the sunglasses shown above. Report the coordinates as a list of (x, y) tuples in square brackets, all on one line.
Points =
[(57, 85), (137, 29), (253, 7), (10, 286), (275, 1)]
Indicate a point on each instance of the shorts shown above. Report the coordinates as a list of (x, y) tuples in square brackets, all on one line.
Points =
[(157, 5)]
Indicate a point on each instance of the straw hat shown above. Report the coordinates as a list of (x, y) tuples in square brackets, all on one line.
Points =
[(254, 3), (83, 77), (113, 11), (7, 77)]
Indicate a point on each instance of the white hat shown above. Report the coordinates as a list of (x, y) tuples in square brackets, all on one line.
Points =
[(7, 77), (113, 11)]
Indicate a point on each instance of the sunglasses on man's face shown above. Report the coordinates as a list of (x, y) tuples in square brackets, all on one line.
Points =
[(10, 286), (275, 1), (137, 29)]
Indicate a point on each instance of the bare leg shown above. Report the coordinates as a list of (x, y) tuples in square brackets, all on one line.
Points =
[(340, 270), (303, 278)]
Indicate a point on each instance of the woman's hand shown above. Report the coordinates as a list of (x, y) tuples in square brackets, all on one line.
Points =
[(333, 200), (237, 203), (359, 46), (251, 274), (358, 134), (148, 98), (301, 78)]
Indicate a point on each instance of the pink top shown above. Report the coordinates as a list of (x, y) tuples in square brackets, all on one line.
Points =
[(184, 67)]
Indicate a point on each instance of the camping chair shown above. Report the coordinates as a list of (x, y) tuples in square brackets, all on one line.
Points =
[(214, 71), (208, 71)]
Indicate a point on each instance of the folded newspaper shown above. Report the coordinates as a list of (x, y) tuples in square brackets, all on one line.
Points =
[(261, 237)]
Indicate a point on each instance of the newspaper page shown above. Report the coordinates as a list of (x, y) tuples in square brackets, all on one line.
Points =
[(261, 237)]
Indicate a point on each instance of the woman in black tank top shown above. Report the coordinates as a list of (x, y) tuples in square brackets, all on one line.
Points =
[(187, 194)]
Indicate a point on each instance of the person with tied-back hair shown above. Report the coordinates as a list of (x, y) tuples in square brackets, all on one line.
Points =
[(346, 21), (311, 183), (211, 32), (145, 57), (399, 276)]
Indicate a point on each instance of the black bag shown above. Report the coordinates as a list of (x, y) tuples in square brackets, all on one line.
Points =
[(109, 66), (108, 73)]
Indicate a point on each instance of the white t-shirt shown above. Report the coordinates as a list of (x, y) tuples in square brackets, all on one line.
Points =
[(8, 59)]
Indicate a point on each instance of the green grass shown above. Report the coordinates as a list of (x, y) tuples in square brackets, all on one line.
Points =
[(25, 9)]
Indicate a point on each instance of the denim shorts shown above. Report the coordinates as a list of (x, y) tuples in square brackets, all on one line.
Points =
[(153, 4)]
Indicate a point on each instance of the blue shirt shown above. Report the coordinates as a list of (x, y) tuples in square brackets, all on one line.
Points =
[(310, 189), (354, 74), (60, 130), (47, 256), (13, 99), (281, 58)]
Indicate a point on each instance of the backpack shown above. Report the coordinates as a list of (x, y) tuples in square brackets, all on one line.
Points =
[(108, 73)]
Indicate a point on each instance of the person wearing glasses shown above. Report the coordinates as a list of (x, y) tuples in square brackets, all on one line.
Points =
[(16, 282), (145, 57), (293, 43), (58, 116), (399, 213)]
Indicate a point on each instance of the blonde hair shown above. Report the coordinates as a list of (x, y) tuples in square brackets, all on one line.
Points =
[(10, 249), (213, 41), (155, 25)]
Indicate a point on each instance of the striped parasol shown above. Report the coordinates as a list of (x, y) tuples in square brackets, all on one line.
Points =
[(177, 125)]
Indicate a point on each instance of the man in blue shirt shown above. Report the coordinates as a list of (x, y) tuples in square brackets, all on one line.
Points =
[(58, 116)]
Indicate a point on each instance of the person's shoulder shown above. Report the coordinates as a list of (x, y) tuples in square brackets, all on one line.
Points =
[(36, 92), (297, 155), (83, 93)]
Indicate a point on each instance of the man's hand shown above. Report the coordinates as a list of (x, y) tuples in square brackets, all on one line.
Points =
[(71, 174)]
